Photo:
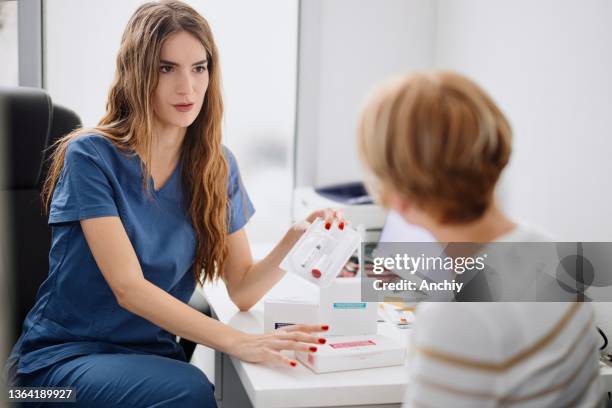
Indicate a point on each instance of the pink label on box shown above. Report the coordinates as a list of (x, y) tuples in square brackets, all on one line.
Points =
[(352, 344)]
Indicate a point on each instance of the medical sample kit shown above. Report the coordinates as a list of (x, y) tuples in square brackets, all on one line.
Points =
[(354, 353), (320, 253), (352, 340), (318, 257)]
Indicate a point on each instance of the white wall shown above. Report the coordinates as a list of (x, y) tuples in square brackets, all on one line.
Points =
[(350, 46), (548, 64), (9, 68), (257, 43)]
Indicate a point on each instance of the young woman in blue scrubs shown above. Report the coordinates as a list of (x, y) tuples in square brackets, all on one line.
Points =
[(142, 207)]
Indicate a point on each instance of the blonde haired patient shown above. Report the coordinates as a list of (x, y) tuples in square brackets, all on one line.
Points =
[(434, 145)]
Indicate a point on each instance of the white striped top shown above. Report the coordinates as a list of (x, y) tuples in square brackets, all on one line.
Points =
[(504, 354)]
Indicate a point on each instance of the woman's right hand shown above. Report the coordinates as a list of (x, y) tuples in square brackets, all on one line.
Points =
[(266, 348)]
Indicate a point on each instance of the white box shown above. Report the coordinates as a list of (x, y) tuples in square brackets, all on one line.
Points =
[(342, 309), (287, 311), (353, 353), (339, 305)]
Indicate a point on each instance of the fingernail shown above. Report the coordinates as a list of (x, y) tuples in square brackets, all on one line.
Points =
[(327, 225), (322, 341), (341, 225), (325, 327), (316, 273), (312, 348), (292, 363)]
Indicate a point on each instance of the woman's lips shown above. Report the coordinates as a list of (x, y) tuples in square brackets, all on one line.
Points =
[(185, 107)]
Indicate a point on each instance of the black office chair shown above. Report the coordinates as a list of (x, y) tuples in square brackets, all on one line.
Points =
[(30, 122)]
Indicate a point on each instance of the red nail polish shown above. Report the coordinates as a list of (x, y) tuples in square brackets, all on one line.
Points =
[(325, 327), (322, 341), (293, 363), (316, 273), (327, 225), (341, 226), (312, 348)]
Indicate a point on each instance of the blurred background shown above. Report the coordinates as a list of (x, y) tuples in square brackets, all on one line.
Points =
[(296, 72), (546, 63), (295, 75)]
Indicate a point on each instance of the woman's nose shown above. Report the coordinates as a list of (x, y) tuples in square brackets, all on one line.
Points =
[(184, 84)]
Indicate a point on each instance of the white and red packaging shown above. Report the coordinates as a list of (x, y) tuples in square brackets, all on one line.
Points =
[(317, 258), (288, 311), (320, 253), (345, 353)]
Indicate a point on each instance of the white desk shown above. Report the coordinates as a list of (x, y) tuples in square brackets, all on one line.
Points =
[(238, 382), (269, 387)]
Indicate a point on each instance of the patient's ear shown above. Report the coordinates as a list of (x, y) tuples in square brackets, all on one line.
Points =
[(400, 204)]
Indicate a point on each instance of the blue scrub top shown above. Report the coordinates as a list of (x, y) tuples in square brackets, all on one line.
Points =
[(76, 312)]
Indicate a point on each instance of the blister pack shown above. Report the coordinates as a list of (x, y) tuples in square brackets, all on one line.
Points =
[(320, 254)]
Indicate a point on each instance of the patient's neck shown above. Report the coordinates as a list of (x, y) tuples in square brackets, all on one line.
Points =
[(492, 225)]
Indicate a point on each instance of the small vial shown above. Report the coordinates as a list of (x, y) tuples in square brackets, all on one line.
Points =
[(321, 264)]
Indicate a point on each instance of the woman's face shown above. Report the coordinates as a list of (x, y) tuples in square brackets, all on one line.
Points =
[(183, 80)]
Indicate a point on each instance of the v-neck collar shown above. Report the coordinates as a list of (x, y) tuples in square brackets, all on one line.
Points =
[(168, 182)]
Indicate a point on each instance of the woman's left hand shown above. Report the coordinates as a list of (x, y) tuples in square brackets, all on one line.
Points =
[(332, 218)]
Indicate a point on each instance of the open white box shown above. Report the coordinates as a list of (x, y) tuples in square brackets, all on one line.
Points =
[(339, 305)]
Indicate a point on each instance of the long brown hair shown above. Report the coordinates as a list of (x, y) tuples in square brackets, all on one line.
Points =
[(128, 124)]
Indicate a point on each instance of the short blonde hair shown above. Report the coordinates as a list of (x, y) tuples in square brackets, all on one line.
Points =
[(437, 139)]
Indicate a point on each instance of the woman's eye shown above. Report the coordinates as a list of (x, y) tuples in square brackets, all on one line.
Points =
[(200, 69), (164, 69)]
